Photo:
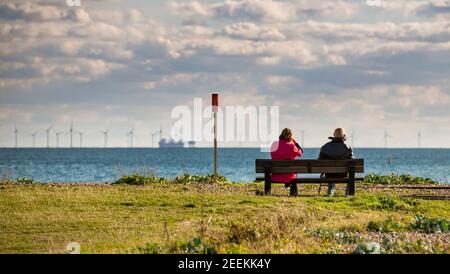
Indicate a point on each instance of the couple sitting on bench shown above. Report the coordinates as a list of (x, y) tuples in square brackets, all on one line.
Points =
[(288, 149)]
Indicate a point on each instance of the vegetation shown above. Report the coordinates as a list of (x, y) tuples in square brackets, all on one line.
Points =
[(192, 214), (395, 179), (25, 181), (140, 180), (430, 225), (388, 225), (191, 179), (149, 179)]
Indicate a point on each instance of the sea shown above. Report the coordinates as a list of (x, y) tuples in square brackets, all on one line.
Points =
[(100, 165)]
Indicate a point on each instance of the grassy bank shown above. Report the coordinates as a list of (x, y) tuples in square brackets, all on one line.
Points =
[(191, 215)]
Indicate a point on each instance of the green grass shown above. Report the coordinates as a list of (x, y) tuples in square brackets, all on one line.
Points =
[(183, 216)]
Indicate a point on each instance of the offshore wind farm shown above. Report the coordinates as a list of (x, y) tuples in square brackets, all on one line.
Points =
[(101, 163)]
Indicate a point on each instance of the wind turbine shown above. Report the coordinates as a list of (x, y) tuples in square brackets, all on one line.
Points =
[(153, 137), (419, 136), (47, 131), (33, 135), (130, 134), (106, 135), (71, 134), (57, 137), (81, 133), (386, 137), (16, 132), (159, 132)]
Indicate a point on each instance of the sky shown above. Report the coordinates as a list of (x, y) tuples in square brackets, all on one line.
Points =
[(367, 66)]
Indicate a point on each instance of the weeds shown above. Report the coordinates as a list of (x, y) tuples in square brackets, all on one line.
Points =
[(393, 204), (26, 181), (137, 179), (419, 246), (338, 236), (395, 179), (191, 179), (386, 226), (430, 225)]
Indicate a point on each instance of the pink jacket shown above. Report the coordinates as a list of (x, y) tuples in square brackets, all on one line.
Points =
[(285, 151)]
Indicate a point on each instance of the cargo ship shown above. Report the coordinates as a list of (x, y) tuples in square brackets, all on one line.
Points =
[(170, 143)]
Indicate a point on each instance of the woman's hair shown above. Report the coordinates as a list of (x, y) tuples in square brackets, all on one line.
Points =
[(286, 134)]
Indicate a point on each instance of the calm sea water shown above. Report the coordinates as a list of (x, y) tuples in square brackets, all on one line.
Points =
[(237, 164)]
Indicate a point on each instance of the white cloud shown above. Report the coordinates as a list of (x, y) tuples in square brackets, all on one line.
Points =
[(264, 10), (253, 32), (318, 60)]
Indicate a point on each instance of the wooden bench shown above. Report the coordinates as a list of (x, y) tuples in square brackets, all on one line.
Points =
[(351, 167)]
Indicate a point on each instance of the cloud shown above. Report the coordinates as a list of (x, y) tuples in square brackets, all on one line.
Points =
[(245, 30), (440, 8), (264, 10), (40, 12), (324, 63)]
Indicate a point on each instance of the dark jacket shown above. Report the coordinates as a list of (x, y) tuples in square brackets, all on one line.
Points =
[(335, 150)]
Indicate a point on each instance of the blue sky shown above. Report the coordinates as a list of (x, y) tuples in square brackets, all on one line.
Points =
[(115, 65)]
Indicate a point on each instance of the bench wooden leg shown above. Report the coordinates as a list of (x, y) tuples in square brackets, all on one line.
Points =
[(294, 190), (351, 189), (267, 188), (351, 183), (267, 181)]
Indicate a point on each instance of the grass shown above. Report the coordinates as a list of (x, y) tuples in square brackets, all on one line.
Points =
[(192, 214)]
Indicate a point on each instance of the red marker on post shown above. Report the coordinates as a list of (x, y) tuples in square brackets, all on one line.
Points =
[(215, 108)]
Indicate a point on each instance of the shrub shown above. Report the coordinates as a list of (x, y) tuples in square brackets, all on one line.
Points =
[(137, 179), (26, 181), (190, 179), (388, 203), (395, 179), (430, 225), (388, 225)]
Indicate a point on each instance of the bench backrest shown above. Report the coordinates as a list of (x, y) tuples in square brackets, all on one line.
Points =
[(309, 166)]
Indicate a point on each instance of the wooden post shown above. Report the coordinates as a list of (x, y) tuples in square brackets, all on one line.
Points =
[(215, 105)]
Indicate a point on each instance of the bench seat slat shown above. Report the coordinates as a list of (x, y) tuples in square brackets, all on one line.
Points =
[(310, 162), (308, 166), (289, 169), (315, 180), (329, 169)]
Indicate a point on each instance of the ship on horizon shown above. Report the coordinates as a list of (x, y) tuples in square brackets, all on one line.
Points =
[(171, 143)]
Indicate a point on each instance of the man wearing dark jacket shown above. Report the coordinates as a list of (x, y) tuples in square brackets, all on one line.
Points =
[(336, 149)]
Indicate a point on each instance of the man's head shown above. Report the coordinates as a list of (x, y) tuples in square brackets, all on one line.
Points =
[(339, 133)]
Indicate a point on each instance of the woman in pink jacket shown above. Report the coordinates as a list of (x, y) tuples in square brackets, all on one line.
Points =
[(286, 148)]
